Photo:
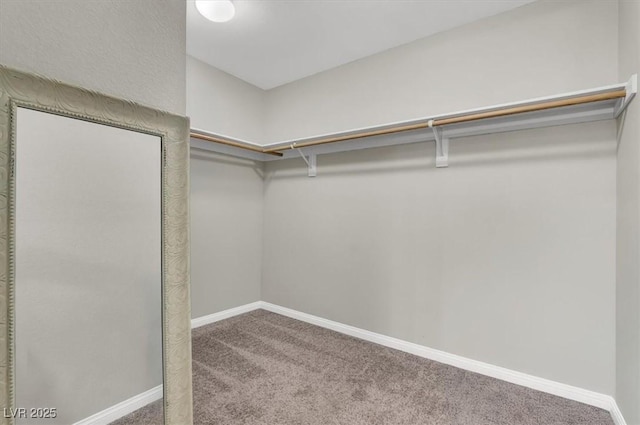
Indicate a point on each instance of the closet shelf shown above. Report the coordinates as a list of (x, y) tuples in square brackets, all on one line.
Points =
[(596, 104)]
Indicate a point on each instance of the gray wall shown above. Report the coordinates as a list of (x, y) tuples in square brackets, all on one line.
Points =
[(226, 193), (628, 232), (507, 256), (543, 48), (220, 102), (226, 232), (130, 49)]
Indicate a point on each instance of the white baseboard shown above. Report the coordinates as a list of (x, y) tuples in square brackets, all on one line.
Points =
[(123, 408), (616, 414), (592, 398), (225, 314), (570, 392)]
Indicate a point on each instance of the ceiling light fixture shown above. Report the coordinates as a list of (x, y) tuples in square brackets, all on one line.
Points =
[(216, 10)]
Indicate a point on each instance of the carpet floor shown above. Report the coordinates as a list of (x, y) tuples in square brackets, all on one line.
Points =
[(264, 368)]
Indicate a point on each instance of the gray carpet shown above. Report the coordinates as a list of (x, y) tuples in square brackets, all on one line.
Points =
[(263, 368)]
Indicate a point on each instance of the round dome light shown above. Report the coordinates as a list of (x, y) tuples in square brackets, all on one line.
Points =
[(216, 10)]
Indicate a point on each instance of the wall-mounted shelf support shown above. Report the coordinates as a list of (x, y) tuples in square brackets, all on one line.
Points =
[(442, 146), (309, 159), (631, 89)]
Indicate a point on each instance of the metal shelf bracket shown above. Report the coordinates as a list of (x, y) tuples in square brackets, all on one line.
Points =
[(631, 89), (310, 160), (442, 147)]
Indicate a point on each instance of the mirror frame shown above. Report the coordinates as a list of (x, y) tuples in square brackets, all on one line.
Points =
[(20, 89)]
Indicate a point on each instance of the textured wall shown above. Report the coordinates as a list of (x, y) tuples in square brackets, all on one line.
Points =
[(507, 256), (130, 49), (628, 241)]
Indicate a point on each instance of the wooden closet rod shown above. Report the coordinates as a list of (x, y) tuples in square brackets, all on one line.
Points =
[(459, 119), (232, 143)]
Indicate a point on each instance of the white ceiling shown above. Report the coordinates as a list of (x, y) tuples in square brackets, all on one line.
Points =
[(274, 42)]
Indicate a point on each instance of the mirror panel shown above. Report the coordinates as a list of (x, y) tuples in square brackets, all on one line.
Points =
[(65, 308), (88, 267)]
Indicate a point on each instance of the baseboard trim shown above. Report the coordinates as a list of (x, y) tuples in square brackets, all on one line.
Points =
[(581, 395), (121, 409), (616, 414), (225, 314)]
